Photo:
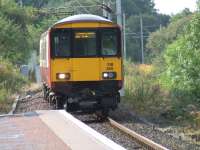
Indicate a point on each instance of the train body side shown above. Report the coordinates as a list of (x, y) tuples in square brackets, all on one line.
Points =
[(45, 60)]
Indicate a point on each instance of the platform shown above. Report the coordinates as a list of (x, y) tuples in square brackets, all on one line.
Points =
[(50, 130)]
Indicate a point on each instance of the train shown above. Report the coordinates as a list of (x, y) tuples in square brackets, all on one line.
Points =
[(81, 64)]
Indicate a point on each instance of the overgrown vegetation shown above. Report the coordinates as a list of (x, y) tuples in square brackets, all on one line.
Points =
[(159, 40), (143, 90), (20, 29), (10, 82), (183, 63), (170, 91)]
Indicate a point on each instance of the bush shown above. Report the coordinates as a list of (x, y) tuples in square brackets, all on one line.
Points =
[(10, 79), (5, 101), (142, 89), (159, 40), (10, 83), (183, 60), (182, 74)]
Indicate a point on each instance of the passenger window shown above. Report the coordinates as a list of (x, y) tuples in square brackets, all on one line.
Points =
[(61, 44), (109, 43)]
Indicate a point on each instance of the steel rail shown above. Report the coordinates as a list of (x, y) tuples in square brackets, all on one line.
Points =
[(149, 144)]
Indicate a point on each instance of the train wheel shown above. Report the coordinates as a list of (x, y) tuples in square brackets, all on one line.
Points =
[(59, 104)]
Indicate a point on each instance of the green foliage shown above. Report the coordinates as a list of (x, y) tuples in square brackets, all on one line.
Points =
[(198, 4), (35, 3), (13, 29), (20, 29), (10, 83), (183, 59), (10, 79), (12, 47), (20, 16), (159, 40), (5, 102), (150, 24), (3, 95), (186, 12), (142, 89), (137, 7)]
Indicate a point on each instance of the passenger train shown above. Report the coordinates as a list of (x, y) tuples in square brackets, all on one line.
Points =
[(81, 64)]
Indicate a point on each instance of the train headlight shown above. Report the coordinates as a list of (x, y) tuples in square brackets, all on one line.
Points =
[(109, 75), (105, 75), (63, 76)]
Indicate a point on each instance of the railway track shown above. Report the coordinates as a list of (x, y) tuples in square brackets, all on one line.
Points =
[(145, 142), (115, 130), (34, 101), (120, 134), (31, 102)]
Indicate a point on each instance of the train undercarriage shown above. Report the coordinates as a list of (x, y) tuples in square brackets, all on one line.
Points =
[(84, 97)]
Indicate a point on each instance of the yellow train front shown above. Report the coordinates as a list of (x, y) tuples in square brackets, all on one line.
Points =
[(81, 63)]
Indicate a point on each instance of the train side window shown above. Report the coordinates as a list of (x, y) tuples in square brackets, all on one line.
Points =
[(109, 43), (61, 44)]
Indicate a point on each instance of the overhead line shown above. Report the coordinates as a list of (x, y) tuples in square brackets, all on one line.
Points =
[(83, 7)]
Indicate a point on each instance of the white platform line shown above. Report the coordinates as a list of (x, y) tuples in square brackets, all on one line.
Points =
[(99, 137)]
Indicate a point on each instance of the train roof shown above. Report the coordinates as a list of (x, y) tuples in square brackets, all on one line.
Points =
[(83, 18)]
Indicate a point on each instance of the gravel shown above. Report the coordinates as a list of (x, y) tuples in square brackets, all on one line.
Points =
[(32, 101), (112, 133), (127, 118)]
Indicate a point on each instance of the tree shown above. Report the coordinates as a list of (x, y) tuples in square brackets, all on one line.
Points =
[(13, 44), (16, 45), (137, 7), (33, 3), (183, 59), (198, 4), (151, 22), (159, 40)]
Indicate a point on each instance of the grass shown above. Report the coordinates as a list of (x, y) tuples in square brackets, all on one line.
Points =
[(10, 83), (143, 91)]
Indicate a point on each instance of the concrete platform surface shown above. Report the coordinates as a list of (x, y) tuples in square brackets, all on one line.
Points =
[(50, 130)]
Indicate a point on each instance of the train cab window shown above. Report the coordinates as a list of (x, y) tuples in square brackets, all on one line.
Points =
[(61, 43), (109, 42), (85, 44)]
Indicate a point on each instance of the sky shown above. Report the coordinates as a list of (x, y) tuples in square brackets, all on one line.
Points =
[(174, 6)]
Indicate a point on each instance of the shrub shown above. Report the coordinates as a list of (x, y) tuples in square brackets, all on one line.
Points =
[(10, 79), (10, 82), (4, 101), (183, 60), (142, 89), (182, 73)]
